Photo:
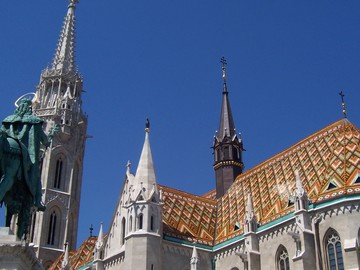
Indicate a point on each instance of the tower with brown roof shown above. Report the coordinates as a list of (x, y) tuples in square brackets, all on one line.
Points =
[(228, 147)]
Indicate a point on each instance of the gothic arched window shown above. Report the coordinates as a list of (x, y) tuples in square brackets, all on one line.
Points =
[(58, 173), (282, 259), (52, 229), (334, 251)]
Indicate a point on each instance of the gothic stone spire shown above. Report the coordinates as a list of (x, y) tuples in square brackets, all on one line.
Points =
[(64, 59)]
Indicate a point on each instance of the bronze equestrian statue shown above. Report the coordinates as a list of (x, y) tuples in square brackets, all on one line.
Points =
[(21, 136)]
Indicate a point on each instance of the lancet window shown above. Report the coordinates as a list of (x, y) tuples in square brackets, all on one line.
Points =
[(58, 173), (282, 259), (123, 226), (52, 229), (140, 220), (152, 223), (334, 251)]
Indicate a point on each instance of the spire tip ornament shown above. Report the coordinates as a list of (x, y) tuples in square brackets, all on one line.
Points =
[(223, 62), (147, 125), (72, 3), (342, 95)]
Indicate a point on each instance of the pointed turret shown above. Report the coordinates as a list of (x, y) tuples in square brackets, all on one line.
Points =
[(65, 265), (227, 146), (195, 260), (301, 198), (99, 250), (251, 256), (144, 214), (145, 179), (250, 219)]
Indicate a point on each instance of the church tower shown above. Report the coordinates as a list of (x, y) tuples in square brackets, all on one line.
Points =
[(135, 235), (143, 240), (227, 146), (59, 102)]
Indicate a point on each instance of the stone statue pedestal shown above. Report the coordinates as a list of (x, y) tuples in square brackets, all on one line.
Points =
[(15, 254)]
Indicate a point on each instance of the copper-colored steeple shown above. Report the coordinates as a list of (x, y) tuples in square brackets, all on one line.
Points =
[(227, 145), (227, 127)]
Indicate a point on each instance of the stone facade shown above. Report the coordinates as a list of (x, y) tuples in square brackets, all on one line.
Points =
[(312, 233), (59, 102)]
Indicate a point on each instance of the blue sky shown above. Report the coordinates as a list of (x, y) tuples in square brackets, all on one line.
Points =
[(287, 62)]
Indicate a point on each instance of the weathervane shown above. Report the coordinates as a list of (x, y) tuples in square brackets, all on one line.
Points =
[(343, 104)]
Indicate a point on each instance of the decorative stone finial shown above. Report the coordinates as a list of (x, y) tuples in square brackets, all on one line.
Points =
[(72, 3), (343, 104), (223, 62), (147, 125)]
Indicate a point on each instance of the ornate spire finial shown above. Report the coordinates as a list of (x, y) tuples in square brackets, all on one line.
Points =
[(223, 62), (64, 59), (91, 230), (343, 104), (72, 3), (147, 125)]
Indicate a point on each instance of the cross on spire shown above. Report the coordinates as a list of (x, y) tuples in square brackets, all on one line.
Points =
[(342, 95)]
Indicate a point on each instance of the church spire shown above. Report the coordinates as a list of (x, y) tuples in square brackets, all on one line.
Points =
[(227, 145), (59, 102), (64, 59), (227, 127), (145, 179)]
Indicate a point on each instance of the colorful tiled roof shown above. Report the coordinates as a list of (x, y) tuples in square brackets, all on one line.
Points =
[(188, 217), (328, 163), (329, 166), (79, 258)]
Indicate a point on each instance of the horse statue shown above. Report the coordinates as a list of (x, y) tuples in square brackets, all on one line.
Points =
[(20, 184)]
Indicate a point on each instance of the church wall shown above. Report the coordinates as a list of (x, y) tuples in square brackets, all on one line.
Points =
[(143, 252), (228, 262), (227, 258), (177, 257), (344, 219), (275, 239)]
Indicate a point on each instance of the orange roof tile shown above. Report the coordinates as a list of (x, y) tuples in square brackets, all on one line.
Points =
[(328, 162), (188, 217), (330, 155), (81, 257)]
